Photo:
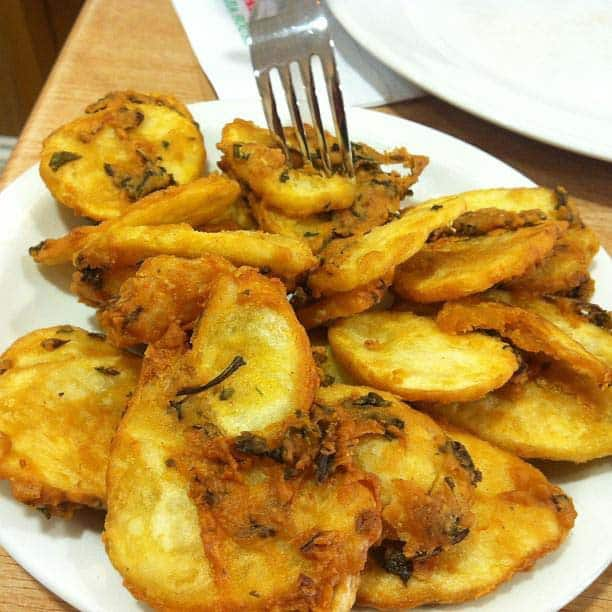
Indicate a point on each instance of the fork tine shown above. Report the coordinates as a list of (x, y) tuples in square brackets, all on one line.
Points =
[(294, 110), (269, 106), (315, 113), (336, 102)]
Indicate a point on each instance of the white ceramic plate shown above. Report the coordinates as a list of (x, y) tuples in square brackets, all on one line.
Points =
[(539, 68), (68, 557)]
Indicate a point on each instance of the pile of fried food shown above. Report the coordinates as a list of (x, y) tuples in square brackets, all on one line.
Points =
[(262, 455)]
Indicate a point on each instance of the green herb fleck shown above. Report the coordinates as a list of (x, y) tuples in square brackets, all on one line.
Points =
[(50, 344), (238, 154), (59, 158), (226, 393), (284, 177), (107, 371), (310, 234)]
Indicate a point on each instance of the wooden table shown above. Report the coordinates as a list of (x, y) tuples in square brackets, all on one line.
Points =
[(140, 44)]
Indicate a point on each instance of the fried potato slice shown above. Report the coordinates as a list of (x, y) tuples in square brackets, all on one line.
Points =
[(427, 481), (411, 356), (556, 204), (451, 268), (565, 268), (341, 305), (377, 201), (352, 262), (299, 192), (125, 246), (588, 324), (126, 146), (557, 415), (196, 203), (62, 393), (237, 216), (519, 518), (525, 330), (164, 291), (208, 492)]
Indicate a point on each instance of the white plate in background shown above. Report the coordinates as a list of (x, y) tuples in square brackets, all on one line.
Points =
[(539, 68), (68, 556)]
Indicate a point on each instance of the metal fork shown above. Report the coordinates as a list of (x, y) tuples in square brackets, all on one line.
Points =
[(283, 32)]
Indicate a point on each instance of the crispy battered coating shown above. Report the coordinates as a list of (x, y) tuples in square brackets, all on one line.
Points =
[(126, 146), (427, 484), (556, 204), (524, 329), (519, 517), (555, 415), (215, 502), (125, 246), (195, 203), (565, 268), (588, 324), (62, 393), (328, 368), (352, 262), (341, 305), (164, 291), (97, 287), (378, 199), (410, 356), (297, 192), (451, 268)]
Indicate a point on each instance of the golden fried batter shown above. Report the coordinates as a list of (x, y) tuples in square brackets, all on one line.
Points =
[(565, 268), (328, 368), (340, 305), (126, 246), (426, 480), (555, 415), (410, 356), (519, 517), (164, 291), (352, 262), (526, 330), (97, 286), (451, 268), (230, 495), (195, 203), (126, 146), (62, 393)]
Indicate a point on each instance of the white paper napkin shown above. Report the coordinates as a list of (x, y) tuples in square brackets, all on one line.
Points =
[(217, 32)]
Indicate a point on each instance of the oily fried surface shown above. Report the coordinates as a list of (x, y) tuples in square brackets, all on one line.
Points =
[(525, 330), (377, 200), (566, 267), (451, 268), (328, 368), (352, 262), (426, 484), (410, 356), (298, 192), (518, 518), (99, 286), (62, 393), (340, 305), (236, 216), (164, 291), (125, 246), (588, 324), (195, 203), (123, 148), (217, 502), (556, 414)]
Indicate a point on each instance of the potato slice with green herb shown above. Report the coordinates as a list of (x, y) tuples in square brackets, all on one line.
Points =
[(62, 393), (348, 263), (195, 203), (525, 330), (411, 356), (220, 469), (518, 517), (125, 246), (126, 146), (556, 414), (451, 268), (426, 480)]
